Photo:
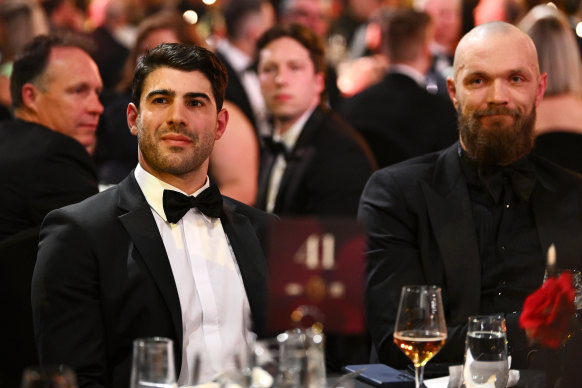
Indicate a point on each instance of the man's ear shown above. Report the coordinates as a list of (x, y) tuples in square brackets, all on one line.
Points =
[(132, 114), (29, 95), (221, 123), (452, 89)]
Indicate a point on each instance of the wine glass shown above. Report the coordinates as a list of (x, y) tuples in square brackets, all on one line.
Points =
[(153, 363), (420, 330), (48, 376)]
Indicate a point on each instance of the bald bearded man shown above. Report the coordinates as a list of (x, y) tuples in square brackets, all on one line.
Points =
[(475, 219)]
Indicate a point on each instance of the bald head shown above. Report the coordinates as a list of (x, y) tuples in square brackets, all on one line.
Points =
[(488, 42), (496, 87)]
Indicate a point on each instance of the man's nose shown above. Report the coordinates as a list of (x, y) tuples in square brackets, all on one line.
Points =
[(498, 93), (95, 105), (176, 115)]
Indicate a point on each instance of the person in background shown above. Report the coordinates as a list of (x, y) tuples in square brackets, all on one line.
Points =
[(161, 254), (315, 164), (245, 21), (314, 14), (477, 218), (559, 117), (446, 19), (398, 117), (20, 22), (44, 165), (44, 152)]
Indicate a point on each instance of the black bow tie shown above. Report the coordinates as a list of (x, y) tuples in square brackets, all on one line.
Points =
[(522, 175), (209, 202), (277, 148)]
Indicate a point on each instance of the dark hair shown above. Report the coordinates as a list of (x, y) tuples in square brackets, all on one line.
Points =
[(163, 20), (182, 57), (404, 33), (235, 13), (305, 37), (32, 62)]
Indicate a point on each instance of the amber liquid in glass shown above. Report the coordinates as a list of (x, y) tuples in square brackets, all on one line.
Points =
[(419, 346)]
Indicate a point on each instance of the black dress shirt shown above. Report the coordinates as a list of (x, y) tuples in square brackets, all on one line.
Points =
[(512, 263)]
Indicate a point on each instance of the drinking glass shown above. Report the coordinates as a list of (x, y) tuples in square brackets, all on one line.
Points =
[(420, 330), (153, 363), (486, 352), (301, 359), (48, 376)]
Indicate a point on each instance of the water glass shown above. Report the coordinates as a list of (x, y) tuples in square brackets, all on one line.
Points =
[(153, 363), (48, 376), (486, 360), (301, 359)]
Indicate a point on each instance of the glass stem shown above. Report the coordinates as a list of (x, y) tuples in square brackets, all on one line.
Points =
[(418, 375)]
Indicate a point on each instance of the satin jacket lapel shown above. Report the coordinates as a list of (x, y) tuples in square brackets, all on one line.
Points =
[(251, 262), (450, 214), (140, 224), (556, 211), (301, 158)]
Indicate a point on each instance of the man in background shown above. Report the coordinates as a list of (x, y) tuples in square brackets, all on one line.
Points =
[(245, 21), (44, 151), (398, 117), (44, 165), (315, 164)]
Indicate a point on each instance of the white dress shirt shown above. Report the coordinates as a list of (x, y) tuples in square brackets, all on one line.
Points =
[(215, 310), (289, 138)]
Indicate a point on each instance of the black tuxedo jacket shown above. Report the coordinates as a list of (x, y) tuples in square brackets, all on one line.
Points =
[(40, 170), (326, 171), (420, 229), (401, 120), (103, 278)]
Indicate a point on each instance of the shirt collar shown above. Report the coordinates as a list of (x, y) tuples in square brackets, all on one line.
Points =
[(153, 190), (411, 72), (289, 138), (235, 57)]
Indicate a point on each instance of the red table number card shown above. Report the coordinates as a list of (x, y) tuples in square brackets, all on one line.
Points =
[(316, 274)]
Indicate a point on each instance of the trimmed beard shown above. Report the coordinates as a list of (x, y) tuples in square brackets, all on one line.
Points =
[(498, 144), (177, 161)]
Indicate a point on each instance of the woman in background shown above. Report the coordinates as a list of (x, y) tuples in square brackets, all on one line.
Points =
[(559, 115)]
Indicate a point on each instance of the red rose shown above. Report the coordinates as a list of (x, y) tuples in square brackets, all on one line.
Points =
[(547, 312)]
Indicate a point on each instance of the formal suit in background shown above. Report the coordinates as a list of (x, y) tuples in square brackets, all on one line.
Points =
[(118, 283), (399, 119), (325, 172), (41, 170), (235, 91), (421, 228)]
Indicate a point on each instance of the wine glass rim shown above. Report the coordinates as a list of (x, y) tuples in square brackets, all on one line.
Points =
[(421, 287), (149, 340)]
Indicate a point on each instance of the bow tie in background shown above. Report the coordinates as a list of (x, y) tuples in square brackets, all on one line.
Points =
[(209, 202), (277, 148), (521, 174)]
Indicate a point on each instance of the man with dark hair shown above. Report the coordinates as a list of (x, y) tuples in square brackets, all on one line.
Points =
[(477, 218), (162, 253), (398, 117), (44, 163), (245, 22), (315, 164)]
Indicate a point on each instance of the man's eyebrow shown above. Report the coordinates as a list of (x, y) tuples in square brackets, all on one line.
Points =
[(163, 92), (198, 95)]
